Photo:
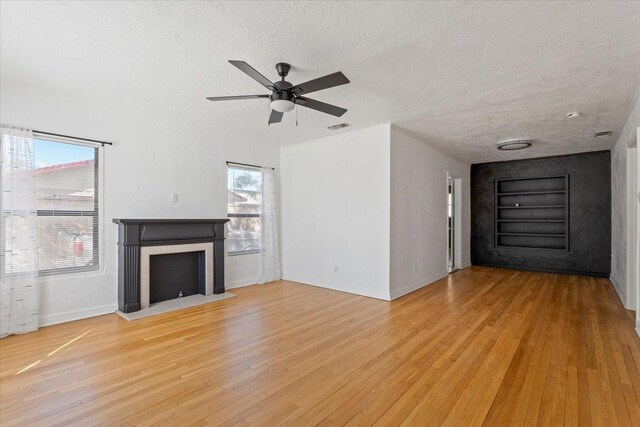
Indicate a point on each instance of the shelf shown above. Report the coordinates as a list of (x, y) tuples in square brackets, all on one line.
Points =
[(537, 178), (531, 235), (532, 207), (530, 247), (526, 193), (532, 220), (545, 199)]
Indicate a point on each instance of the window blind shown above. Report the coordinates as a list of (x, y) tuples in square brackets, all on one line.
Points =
[(244, 205), (67, 204)]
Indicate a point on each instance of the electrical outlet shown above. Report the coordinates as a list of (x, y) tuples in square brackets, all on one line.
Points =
[(174, 197), (335, 269), (415, 268)]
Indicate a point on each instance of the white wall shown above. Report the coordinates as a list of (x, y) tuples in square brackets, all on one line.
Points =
[(154, 154), (624, 214), (335, 212), (636, 198), (419, 176), (632, 207), (619, 219)]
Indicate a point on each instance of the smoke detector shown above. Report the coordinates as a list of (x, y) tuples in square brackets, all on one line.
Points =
[(339, 126), (572, 115), (515, 144)]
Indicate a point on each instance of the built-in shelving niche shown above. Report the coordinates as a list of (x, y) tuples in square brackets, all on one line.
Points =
[(532, 213)]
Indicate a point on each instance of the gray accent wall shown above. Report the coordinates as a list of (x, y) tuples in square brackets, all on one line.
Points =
[(589, 214)]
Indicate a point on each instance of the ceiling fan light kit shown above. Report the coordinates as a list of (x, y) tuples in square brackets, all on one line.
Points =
[(282, 102), (285, 96)]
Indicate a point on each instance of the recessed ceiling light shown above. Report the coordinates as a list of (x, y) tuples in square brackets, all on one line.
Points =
[(515, 144), (603, 133)]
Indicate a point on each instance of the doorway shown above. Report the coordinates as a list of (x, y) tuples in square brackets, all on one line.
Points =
[(451, 221), (454, 223)]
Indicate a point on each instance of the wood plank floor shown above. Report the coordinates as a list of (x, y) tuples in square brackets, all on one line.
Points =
[(485, 346)]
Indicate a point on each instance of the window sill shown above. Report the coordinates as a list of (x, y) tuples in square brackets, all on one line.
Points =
[(69, 270)]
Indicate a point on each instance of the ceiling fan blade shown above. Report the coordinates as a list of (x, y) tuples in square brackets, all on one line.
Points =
[(331, 80), (275, 117), (254, 74), (323, 107), (231, 98)]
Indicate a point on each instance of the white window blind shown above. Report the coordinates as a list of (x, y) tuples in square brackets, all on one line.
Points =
[(67, 205), (244, 203)]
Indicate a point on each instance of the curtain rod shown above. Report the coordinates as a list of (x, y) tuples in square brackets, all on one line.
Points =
[(251, 166), (103, 143)]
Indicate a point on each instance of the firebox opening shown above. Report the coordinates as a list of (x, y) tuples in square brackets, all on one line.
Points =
[(176, 275)]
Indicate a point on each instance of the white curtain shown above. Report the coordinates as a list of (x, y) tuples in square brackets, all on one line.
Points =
[(18, 234), (269, 253)]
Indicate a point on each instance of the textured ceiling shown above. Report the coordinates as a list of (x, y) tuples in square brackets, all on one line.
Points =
[(462, 76)]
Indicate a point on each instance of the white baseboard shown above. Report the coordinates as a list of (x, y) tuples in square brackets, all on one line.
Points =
[(397, 293), (620, 290), (241, 283), (82, 313), (357, 290)]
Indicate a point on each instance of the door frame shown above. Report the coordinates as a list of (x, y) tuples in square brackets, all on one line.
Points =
[(457, 221)]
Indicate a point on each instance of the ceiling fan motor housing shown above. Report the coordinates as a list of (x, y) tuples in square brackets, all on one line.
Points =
[(283, 85), (282, 96)]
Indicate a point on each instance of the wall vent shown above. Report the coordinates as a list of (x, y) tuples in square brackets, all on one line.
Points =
[(603, 133), (339, 126)]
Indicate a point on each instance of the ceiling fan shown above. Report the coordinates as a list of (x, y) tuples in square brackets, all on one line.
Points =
[(284, 96)]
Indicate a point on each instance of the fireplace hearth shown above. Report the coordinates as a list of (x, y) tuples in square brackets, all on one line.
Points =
[(139, 240)]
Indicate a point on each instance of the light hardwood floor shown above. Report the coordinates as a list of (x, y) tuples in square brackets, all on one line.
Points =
[(485, 346)]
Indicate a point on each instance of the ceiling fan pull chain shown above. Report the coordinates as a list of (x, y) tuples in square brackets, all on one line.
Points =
[(296, 105)]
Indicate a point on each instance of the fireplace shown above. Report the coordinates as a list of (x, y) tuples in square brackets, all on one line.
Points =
[(158, 258)]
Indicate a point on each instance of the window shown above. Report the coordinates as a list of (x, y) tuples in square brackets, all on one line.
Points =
[(67, 204), (244, 202)]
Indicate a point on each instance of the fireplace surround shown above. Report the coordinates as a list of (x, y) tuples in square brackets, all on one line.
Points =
[(138, 239)]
